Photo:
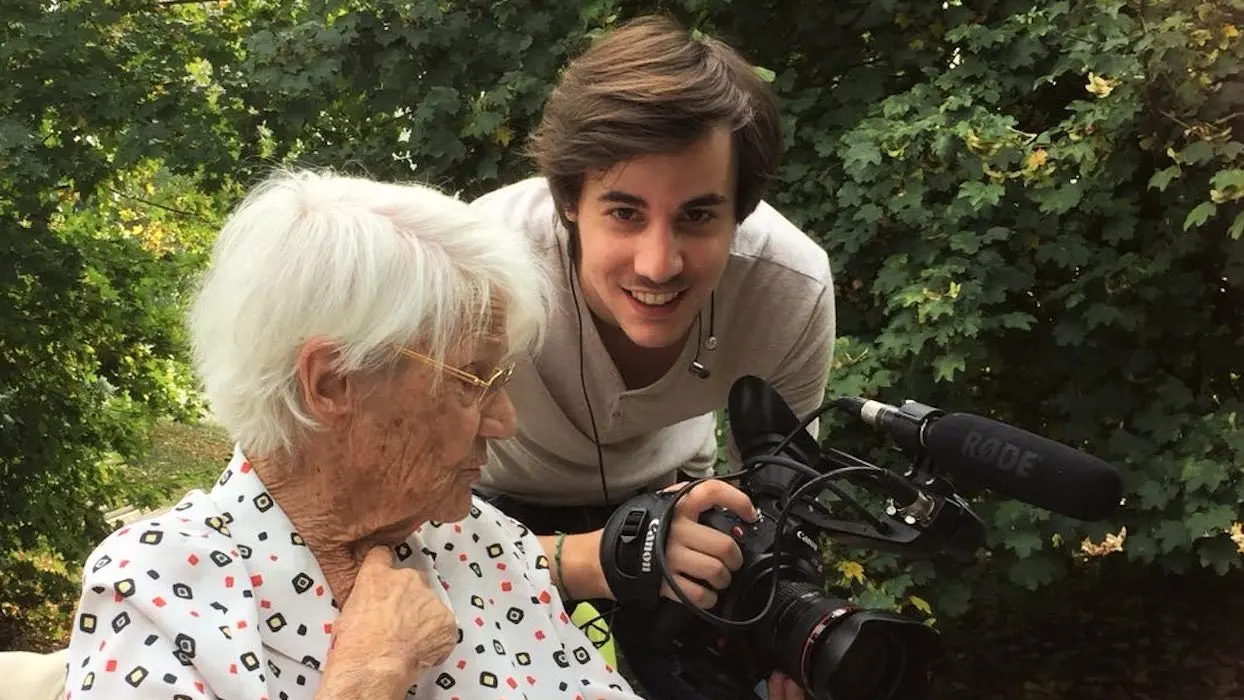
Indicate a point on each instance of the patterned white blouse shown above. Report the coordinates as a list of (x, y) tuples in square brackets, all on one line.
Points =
[(220, 598)]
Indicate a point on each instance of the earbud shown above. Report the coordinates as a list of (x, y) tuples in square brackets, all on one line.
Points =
[(699, 370)]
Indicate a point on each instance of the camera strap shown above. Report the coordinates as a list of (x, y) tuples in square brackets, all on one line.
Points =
[(628, 548)]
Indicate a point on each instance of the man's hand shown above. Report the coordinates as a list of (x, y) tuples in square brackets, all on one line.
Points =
[(699, 552), (392, 628), (782, 687)]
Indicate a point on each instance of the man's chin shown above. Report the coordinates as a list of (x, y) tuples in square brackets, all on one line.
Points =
[(647, 332), (652, 336)]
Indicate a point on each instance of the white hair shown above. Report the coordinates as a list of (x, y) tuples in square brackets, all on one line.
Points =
[(362, 263)]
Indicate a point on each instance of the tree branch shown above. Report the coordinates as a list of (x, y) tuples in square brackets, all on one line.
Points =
[(170, 3), (157, 205)]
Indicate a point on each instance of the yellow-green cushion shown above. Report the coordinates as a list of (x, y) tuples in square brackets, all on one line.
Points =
[(597, 632)]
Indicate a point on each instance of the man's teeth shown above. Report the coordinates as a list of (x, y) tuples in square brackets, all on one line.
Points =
[(655, 299)]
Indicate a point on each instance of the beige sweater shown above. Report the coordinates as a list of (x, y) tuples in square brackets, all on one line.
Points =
[(774, 318)]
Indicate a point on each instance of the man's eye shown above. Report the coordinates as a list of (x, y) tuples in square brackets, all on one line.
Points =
[(624, 214), (700, 216)]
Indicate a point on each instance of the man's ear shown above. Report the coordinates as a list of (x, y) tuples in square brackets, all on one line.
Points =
[(572, 214), (326, 393)]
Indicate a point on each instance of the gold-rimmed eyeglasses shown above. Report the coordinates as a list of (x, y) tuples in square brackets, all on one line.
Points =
[(484, 387)]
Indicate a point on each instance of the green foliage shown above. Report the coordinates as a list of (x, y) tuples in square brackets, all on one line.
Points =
[(182, 457), (126, 129), (1033, 213), (97, 245)]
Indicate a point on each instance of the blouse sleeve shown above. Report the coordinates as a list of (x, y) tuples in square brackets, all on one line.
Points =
[(157, 619)]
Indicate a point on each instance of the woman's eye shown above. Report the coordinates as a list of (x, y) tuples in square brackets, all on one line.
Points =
[(470, 393)]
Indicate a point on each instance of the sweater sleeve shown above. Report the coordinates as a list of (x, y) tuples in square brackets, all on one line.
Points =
[(801, 376)]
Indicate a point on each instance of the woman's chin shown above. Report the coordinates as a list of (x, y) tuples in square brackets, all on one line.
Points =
[(456, 506)]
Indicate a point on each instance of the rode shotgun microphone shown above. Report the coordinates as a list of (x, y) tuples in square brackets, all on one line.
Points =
[(1012, 462)]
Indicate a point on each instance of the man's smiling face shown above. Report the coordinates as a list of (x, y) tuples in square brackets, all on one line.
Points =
[(654, 238)]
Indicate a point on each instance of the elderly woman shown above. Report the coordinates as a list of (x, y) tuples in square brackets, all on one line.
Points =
[(355, 339)]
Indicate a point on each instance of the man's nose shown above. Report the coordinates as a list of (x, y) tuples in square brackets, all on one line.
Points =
[(658, 256)]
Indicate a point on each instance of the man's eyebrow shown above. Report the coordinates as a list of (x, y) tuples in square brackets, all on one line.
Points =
[(703, 200), (622, 198)]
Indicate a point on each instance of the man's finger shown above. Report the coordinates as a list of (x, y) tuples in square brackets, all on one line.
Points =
[(715, 492), (700, 596), (783, 688), (707, 540), (701, 566)]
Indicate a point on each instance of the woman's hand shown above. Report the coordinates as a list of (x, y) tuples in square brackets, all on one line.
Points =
[(699, 552), (392, 628)]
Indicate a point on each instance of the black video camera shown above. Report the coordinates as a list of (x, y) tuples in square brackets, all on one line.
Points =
[(775, 614)]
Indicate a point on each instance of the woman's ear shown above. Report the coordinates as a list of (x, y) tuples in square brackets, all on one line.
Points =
[(326, 392)]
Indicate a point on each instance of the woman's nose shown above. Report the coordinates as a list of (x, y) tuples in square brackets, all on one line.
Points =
[(499, 421)]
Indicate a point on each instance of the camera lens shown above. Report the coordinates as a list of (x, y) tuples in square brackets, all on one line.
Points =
[(838, 651), (871, 666)]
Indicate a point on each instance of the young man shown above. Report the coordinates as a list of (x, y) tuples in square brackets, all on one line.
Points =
[(675, 279)]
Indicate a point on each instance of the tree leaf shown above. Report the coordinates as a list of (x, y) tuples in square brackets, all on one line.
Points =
[(1228, 179), (1212, 521), (1032, 572), (1237, 226), (946, 366), (851, 571), (1197, 152), (1023, 543), (1199, 215), (1203, 474), (981, 193), (1162, 178)]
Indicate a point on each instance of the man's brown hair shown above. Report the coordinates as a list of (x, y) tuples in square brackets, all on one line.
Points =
[(651, 87)]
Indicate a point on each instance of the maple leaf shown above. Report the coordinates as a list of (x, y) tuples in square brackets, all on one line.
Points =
[(1037, 158), (1102, 87), (1111, 543), (1237, 536), (851, 571)]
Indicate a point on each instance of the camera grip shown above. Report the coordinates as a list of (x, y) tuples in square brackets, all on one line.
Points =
[(628, 548), (669, 619), (753, 538)]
